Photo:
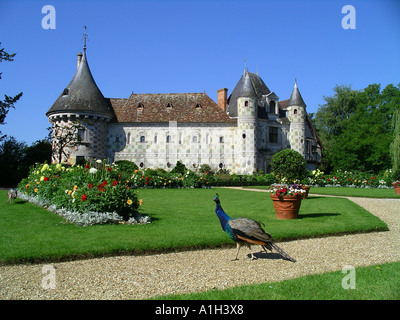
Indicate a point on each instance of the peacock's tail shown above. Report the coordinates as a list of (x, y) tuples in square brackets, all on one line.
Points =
[(283, 253)]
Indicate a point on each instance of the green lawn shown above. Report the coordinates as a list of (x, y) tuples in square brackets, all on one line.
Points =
[(356, 192), (379, 282), (182, 219), (350, 192)]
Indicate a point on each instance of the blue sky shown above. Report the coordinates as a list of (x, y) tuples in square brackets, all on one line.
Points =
[(193, 46)]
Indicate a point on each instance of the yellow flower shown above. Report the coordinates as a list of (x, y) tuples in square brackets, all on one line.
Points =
[(140, 202), (36, 190), (45, 167), (41, 178), (129, 202), (75, 187), (69, 192)]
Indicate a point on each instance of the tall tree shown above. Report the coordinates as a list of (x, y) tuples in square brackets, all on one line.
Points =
[(8, 101), (330, 117), (360, 140)]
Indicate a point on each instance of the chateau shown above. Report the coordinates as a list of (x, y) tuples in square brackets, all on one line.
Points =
[(240, 133)]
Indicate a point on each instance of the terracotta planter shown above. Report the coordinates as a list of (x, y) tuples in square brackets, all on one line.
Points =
[(397, 190), (286, 207), (305, 194)]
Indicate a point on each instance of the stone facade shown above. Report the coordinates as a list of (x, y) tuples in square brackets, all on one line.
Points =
[(239, 133)]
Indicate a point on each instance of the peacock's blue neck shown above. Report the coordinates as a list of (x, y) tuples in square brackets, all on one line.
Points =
[(223, 217)]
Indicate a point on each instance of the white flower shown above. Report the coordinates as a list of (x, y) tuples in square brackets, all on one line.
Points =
[(98, 161), (93, 170)]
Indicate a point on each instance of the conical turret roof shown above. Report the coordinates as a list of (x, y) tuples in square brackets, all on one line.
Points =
[(82, 95), (296, 98), (249, 85)]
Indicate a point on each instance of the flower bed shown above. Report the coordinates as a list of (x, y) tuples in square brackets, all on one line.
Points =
[(83, 193), (351, 179)]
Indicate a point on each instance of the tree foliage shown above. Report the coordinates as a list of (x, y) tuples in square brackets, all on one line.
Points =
[(355, 127), (16, 158), (8, 101)]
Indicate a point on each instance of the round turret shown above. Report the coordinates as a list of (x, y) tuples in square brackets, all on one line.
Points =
[(79, 118), (296, 112)]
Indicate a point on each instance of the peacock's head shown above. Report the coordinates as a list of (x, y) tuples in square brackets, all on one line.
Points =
[(216, 198)]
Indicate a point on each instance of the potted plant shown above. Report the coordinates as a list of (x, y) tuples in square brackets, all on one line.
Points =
[(286, 200), (396, 186)]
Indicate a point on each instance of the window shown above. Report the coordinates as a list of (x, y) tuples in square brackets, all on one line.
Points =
[(142, 139), (82, 134), (273, 134), (272, 107), (295, 111), (140, 106), (169, 105), (168, 139), (128, 138), (198, 106), (246, 103), (65, 92), (194, 139), (221, 139), (155, 138)]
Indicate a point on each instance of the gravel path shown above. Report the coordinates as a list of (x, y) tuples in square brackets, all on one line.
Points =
[(141, 277)]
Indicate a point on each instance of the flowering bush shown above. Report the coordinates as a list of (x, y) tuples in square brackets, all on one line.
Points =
[(95, 187), (281, 190)]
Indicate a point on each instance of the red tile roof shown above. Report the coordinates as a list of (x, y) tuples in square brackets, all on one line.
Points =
[(165, 107)]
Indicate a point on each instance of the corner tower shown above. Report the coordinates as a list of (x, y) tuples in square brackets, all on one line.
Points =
[(79, 117), (247, 104), (296, 113)]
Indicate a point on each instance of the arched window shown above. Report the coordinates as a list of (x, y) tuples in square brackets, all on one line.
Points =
[(295, 111), (168, 139), (246, 103), (272, 107), (142, 139), (128, 138)]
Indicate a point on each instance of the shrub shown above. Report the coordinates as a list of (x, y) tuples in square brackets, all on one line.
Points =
[(289, 164), (179, 168), (95, 187)]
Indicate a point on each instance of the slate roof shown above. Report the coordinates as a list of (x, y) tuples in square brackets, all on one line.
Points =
[(249, 85), (82, 95), (165, 107), (296, 98)]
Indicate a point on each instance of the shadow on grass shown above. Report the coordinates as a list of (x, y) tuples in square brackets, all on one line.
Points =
[(317, 215)]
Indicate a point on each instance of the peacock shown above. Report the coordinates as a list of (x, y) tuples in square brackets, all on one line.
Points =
[(246, 231)]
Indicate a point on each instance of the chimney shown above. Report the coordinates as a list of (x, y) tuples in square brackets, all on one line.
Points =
[(79, 59), (222, 95)]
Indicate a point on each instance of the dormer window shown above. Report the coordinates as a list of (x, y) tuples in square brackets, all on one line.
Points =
[(169, 105), (198, 106), (272, 107), (65, 92), (140, 106)]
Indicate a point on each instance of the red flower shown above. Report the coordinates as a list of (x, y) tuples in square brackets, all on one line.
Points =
[(84, 197), (90, 185), (87, 166), (108, 169), (115, 182), (46, 178), (104, 183)]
